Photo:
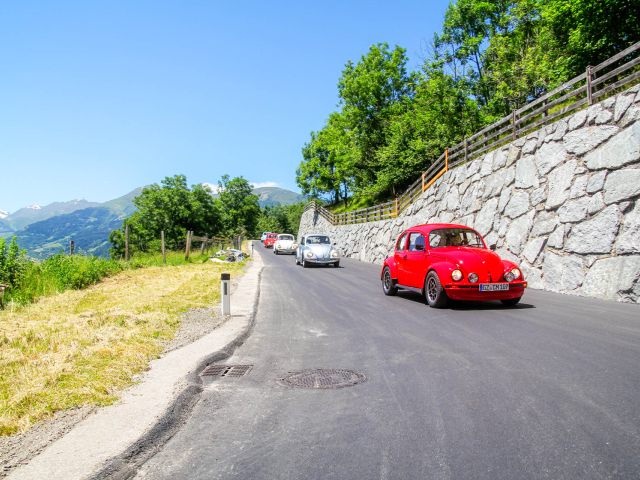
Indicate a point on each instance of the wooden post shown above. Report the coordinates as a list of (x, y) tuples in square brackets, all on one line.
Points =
[(164, 252), (446, 159), (396, 207), (465, 149), (126, 242), (72, 247), (204, 243), (589, 86), (187, 247), (513, 125), (423, 176), (2, 288)]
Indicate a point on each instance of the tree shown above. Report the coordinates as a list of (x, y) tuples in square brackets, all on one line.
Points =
[(12, 262), (240, 207), (171, 207)]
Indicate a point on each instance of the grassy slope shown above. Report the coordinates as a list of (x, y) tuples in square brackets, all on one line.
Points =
[(83, 346)]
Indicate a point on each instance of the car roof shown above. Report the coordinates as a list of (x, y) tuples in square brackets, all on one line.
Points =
[(314, 234), (428, 227)]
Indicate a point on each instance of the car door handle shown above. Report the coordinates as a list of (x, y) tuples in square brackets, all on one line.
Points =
[(404, 256)]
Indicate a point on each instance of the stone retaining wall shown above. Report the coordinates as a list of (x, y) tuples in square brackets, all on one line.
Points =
[(563, 202)]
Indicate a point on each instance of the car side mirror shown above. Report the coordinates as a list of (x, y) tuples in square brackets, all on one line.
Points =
[(419, 247), (334, 244), (493, 247)]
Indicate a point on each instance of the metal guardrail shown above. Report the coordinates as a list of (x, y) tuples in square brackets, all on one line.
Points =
[(594, 85)]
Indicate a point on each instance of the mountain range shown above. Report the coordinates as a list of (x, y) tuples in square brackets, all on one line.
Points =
[(45, 230)]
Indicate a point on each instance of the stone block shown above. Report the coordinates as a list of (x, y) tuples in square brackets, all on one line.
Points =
[(544, 223), (574, 210), (622, 103), (596, 235), (526, 172), (596, 203), (596, 182), (562, 273), (518, 232), (613, 278), (586, 139), (622, 149), (622, 185), (560, 179), (518, 204), (532, 249), (499, 159), (577, 120), (556, 239), (629, 237), (538, 196), (561, 129), (579, 187), (549, 156), (485, 217), (604, 116)]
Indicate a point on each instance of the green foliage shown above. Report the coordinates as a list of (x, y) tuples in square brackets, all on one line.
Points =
[(281, 218), (240, 208), (57, 274), (13, 262), (171, 207), (489, 58)]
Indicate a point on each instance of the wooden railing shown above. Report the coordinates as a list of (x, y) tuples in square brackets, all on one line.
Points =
[(597, 83)]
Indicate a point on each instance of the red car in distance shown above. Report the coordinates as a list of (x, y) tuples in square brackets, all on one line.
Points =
[(270, 240), (447, 261)]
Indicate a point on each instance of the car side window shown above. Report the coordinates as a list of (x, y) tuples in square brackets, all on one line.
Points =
[(416, 242), (400, 244), (435, 239)]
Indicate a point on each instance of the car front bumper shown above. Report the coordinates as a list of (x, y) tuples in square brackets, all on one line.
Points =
[(473, 293), (286, 250), (322, 261)]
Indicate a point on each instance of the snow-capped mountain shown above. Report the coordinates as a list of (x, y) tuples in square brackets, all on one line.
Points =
[(34, 206), (3, 214)]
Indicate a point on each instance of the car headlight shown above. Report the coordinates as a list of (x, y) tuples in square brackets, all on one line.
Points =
[(295, 245), (509, 276), (334, 254), (473, 277), (456, 275), (309, 255), (516, 273)]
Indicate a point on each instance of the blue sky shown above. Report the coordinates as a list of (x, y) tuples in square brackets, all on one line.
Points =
[(98, 98)]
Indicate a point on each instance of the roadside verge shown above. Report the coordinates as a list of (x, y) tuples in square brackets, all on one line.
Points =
[(114, 437)]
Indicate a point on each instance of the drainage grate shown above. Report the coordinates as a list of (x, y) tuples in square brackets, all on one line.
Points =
[(323, 378), (226, 370)]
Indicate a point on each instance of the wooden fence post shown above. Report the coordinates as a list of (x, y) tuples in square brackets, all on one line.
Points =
[(589, 86), (204, 243), (465, 149), (187, 247), (446, 159), (396, 207), (72, 247), (423, 176), (164, 252), (513, 125), (126, 242)]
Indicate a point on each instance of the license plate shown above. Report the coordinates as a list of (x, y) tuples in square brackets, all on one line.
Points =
[(493, 287)]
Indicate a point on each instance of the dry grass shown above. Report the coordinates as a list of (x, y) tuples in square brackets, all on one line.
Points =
[(83, 347)]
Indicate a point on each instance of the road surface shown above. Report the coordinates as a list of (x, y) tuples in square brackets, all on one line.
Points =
[(548, 389)]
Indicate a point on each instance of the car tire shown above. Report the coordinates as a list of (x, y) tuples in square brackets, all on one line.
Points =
[(304, 264), (510, 302), (336, 265), (434, 292), (388, 287), (297, 261)]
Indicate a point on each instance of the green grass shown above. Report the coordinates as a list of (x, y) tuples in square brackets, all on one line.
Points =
[(354, 204)]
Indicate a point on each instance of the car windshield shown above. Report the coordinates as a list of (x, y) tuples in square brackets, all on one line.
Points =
[(318, 240), (455, 237), (285, 237)]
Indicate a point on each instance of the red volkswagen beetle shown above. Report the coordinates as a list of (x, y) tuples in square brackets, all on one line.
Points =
[(446, 261), (270, 241)]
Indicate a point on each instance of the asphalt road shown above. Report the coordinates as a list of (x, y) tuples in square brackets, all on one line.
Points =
[(547, 389)]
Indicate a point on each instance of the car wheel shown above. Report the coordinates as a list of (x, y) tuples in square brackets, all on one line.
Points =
[(436, 296), (336, 265), (387, 283), (304, 264), (510, 302)]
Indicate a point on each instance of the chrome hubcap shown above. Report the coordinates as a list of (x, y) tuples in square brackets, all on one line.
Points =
[(387, 280), (432, 290)]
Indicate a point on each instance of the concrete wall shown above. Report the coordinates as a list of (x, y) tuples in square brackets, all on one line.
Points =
[(564, 202)]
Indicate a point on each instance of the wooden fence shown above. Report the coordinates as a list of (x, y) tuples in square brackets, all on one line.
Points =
[(596, 83)]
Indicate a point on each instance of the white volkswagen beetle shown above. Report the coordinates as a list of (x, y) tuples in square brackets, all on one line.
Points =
[(285, 243), (316, 248)]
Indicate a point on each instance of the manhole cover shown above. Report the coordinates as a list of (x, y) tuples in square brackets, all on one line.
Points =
[(226, 370), (323, 378)]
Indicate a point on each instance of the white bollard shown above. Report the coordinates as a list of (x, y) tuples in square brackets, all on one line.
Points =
[(225, 293)]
